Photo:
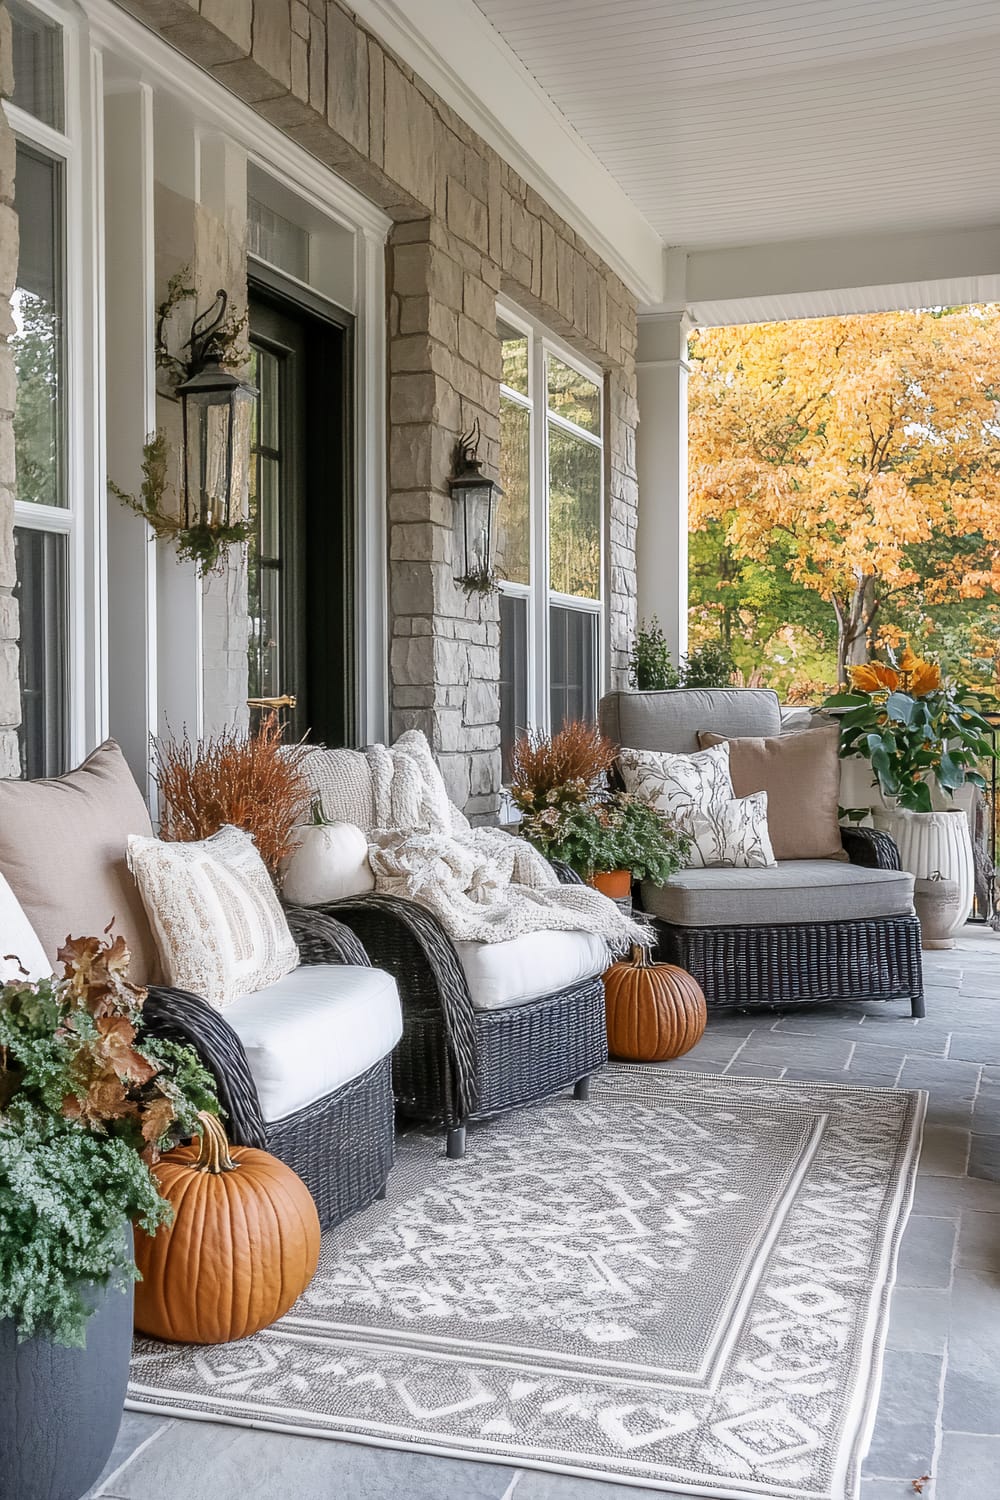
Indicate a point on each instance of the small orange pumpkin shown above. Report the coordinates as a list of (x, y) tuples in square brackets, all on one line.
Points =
[(243, 1245), (654, 1011)]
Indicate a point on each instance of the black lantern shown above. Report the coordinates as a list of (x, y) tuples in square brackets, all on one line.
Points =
[(217, 415), (474, 496)]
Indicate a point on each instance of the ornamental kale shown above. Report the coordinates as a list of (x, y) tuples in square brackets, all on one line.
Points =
[(619, 832), (86, 1106)]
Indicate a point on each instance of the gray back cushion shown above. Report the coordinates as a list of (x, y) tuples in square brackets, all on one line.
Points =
[(671, 720)]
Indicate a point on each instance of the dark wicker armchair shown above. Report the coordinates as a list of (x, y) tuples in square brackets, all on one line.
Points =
[(341, 1145), (803, 932), (797, 963), (457, 1064)]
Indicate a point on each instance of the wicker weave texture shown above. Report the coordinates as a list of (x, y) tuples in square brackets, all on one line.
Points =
[(800, 964)]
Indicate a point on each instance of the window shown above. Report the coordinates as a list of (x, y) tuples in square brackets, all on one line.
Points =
[(549, 533), (44, 519)]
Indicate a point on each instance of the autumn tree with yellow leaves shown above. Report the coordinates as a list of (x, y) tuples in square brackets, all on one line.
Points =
[(861, 455)]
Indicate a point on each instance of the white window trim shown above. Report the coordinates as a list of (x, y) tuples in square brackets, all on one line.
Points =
[(81, 519), (540, 597)]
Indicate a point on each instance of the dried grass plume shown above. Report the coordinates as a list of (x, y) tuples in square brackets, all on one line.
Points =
[(232, 777)]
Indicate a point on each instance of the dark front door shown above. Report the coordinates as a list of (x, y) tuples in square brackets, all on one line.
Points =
[(301, 563)]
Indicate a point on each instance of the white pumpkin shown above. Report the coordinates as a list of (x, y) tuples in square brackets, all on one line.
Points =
[(329, 862)]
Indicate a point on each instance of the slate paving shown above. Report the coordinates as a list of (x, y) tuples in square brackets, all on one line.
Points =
[(939, 1413)]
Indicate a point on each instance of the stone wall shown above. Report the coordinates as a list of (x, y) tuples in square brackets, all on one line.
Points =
[(466, 227), (10, 703)]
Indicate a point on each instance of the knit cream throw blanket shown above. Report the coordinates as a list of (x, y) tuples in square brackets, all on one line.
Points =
[(482, 884)]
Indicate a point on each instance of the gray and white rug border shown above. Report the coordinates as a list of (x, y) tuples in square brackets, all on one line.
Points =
[(863, 1408)]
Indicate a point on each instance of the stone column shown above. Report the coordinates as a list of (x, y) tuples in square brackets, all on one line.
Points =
[(10, 694), (662, 370)]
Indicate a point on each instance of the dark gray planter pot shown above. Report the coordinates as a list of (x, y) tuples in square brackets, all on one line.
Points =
[(62, 1407)]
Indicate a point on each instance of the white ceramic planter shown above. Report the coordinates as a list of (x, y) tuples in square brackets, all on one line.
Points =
[(935, 843)]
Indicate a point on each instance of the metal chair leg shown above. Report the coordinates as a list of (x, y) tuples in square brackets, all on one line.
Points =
[(917, 1007), (456, 1142), (581, 1088)]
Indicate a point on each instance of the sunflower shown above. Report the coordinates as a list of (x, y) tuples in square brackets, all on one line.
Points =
[(924, 678), (874, 677)]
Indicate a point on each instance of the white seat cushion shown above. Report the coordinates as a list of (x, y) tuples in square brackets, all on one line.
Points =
[(314, 1030), (540, 963)]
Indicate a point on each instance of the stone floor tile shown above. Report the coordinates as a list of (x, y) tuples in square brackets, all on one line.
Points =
[(945, 1151), (815, 1051), (919, 1320), (137, 1428), (211, 1461), (972, 1400), (979, 1244), (741, 1069), (984, 1157), (927, 1253), (949, 1196), (904, 1437), (974, 1047), (894, 1489), (942, 1110), (968, 1467), (955, 1080)]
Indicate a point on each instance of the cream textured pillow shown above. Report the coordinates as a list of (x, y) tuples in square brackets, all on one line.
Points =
[(217, 921), (695, 792)]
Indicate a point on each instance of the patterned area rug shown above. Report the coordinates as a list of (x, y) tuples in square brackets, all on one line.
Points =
[(683, 1284)]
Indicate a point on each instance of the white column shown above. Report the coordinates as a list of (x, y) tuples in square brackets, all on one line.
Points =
[(661, 457), (131, 415)]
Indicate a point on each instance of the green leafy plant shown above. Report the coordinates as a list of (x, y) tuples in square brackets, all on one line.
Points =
[(86, 1106), (918, 729), (620, 832), (708, 666), (650, 667), (652, 670)]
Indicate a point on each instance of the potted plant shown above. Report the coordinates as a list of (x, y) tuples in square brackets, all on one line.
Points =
[(86, 1105), (925, 738), (610, 842)]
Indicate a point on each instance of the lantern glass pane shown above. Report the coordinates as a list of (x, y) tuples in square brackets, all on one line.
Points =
[(476, 528), (513, 518), (243, 420), (574, 514)]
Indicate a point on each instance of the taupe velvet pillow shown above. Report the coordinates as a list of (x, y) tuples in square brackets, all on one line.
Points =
[(801, 775), (63, 843)]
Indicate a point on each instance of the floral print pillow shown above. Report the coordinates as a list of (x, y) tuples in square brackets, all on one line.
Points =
[(695, 792)]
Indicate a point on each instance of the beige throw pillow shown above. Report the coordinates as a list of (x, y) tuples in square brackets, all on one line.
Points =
[(219, 925), (801, 775), (62, 851)]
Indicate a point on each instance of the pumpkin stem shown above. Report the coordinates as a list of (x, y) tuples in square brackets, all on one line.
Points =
[(640, 956), (213, 1149)]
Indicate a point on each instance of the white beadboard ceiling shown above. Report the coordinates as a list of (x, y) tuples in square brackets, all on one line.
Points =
[(730, 122)]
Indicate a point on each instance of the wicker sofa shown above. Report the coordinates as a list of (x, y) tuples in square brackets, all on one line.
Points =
[(487, 1027), (801, 932)]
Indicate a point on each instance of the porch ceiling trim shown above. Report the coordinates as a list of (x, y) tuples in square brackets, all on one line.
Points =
[(455, 49)]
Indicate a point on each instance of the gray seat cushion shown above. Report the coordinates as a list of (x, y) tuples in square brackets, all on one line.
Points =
[(671, 720), (795, 890)]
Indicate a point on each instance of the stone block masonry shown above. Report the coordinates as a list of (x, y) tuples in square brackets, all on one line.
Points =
[(10, 707), (466, 228)]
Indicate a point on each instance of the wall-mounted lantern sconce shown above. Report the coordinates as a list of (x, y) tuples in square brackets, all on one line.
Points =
[(217, 416), (475, 497)]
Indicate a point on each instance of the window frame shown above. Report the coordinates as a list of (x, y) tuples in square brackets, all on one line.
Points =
[(81, 518), (538, 592)]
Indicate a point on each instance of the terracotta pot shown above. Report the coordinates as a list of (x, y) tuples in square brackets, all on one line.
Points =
[(614, 883)]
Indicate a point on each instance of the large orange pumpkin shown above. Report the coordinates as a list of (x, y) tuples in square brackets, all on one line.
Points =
[(654, 1011), (243, 1245)]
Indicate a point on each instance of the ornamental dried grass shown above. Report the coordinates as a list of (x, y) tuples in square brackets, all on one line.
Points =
[(559, 768), (232, 777)]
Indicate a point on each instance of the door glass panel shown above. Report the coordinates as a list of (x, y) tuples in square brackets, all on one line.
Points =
[(572, 665), (269, 527), (513, 554), (514, 346), (264, 555), (40, 558), (268, 412), (270, 633), (38, 64), (513, 674), (574, 514), (38, 339), (572, 395)]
